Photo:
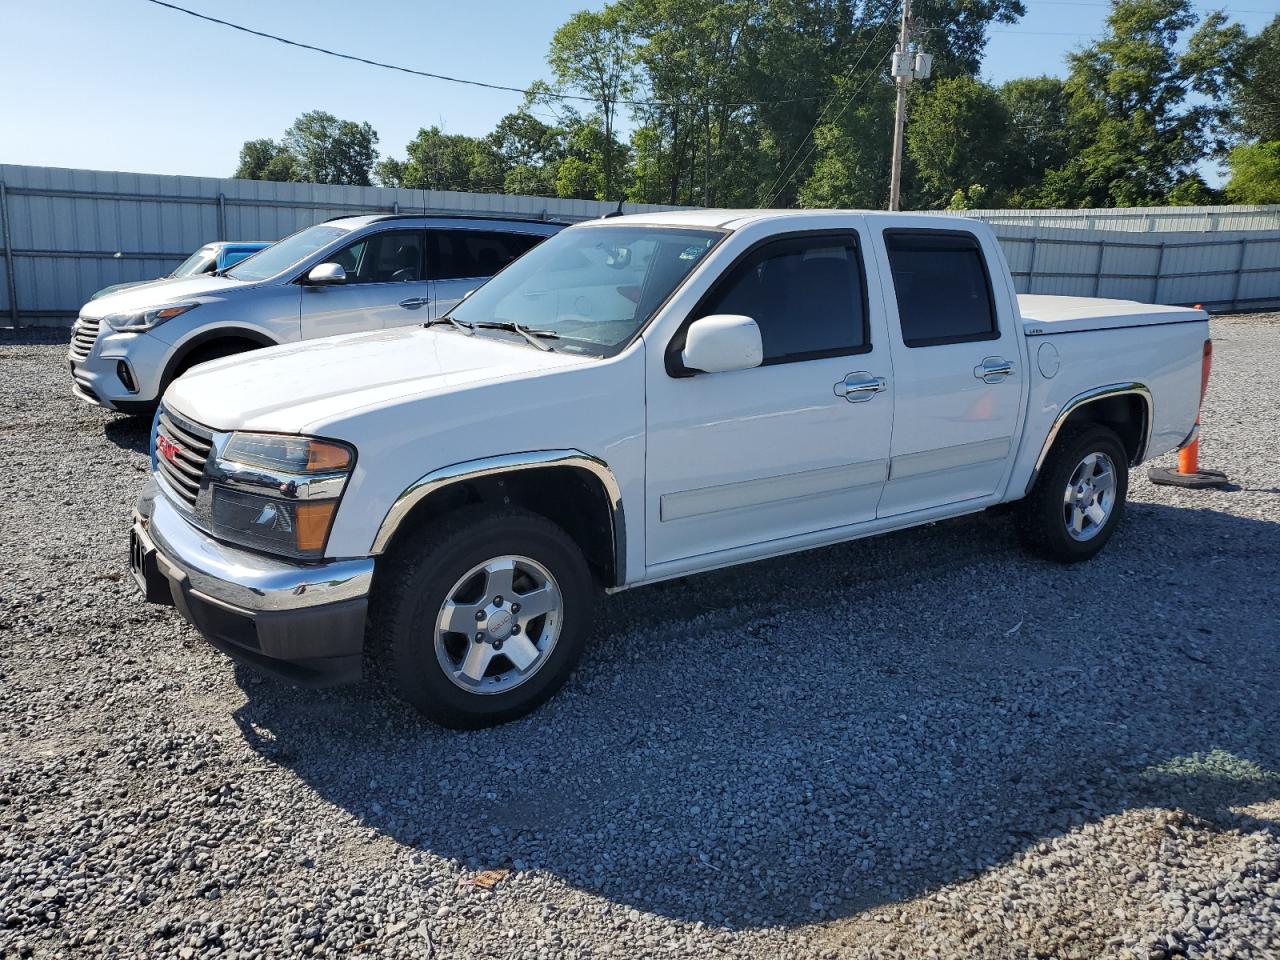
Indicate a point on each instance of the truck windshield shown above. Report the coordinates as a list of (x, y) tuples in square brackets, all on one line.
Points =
[(287, 253), (593, 286)]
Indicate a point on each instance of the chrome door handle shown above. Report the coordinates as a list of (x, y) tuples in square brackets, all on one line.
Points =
[(414, 302), (859, 387), (993, 369)]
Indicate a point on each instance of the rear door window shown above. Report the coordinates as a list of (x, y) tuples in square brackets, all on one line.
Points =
[(942, 286), (470, 254)]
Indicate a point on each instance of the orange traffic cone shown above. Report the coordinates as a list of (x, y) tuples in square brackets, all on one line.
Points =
[(1188, 472)]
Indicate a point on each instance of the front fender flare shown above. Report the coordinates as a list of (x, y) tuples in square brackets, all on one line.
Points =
[(443, 477)]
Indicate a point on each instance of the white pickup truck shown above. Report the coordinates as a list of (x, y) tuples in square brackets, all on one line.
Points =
[(639, 398)]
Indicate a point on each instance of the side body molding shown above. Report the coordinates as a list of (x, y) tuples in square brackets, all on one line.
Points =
[(1091, 396), (436, 480)]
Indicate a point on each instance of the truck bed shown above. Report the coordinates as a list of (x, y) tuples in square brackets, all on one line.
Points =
[(1043, 315)]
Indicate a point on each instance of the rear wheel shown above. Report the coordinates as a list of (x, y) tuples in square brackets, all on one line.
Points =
[(1079, 496), (484, 620)]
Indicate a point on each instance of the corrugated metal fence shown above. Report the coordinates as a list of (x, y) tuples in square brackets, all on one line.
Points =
[(66, 233), (1227, 270), (1140, 219)]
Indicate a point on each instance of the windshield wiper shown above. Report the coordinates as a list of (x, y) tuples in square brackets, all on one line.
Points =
[(468, 328), (536, 337)]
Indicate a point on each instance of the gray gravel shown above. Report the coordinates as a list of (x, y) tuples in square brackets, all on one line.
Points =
[(922, 745)]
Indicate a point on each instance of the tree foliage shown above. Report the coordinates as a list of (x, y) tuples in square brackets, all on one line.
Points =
[(1255, 85), (329, 150), (1134, 135), (265, 160), (783, 102), (1255, 173), (594, 53), (317, 148), (958, 139)]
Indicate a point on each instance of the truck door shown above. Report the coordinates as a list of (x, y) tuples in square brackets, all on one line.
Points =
[(797, 445), (385, 287), (957, 368)]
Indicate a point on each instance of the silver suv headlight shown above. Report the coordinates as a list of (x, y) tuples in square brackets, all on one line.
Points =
[(136, 321), (278, 493)]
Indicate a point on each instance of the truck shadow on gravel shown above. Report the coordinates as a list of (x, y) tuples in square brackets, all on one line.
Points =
[(813, 736), (129, 433)]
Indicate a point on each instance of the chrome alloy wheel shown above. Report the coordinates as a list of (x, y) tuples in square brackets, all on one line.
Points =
[(1090, 496), (498, 624)]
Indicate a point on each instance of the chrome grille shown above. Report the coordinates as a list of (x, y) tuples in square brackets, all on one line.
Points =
[(181, 459), (83, 334)]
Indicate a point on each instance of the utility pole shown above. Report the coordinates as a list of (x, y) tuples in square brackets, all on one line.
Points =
[(905, 69)]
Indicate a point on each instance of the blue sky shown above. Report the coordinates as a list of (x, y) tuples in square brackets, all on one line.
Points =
[(126, 85)]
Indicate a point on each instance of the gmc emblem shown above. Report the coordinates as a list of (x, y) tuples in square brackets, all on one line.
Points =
[(167, 448)]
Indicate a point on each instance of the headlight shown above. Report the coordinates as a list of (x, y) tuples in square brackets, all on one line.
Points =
[(139, 320), (277, 493)]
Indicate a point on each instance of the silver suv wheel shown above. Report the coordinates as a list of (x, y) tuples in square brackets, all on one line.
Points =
[(1090, 496), (498, 624)]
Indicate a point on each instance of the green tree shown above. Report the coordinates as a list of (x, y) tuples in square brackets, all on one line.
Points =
[(1134, 136), (1192, 191), (446, 161), (530, 150), (329, 150), (1255, 173), (1038, 139), (594, 53), (265, 160), (1255, 85), (852, 152), (957, 138)]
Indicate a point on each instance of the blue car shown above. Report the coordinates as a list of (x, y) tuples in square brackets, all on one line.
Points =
[(210, 258)]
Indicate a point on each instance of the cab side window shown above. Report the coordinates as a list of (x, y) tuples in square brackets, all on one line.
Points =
[(942, 286), (394, 256), (469, 254), (806, 294)]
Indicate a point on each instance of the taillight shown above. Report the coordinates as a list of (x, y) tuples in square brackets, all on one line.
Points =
[(1206, 364)]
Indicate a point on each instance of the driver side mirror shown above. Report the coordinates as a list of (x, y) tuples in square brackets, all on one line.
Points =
[(722, 342), (326, 274)]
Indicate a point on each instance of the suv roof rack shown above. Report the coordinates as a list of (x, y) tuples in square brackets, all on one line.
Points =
[(492, 217)]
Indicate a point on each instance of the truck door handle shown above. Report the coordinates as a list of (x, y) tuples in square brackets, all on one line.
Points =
[(859, 387), (993, 369), (414, 302)]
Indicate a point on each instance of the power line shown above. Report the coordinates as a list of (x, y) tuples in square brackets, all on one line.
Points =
[(541, 93)]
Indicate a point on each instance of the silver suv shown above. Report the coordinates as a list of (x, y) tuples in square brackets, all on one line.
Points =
[(342, 276)]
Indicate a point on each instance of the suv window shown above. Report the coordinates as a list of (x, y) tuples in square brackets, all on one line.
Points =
[(807, 295), (465, 254), (394, 256), (942, 286)]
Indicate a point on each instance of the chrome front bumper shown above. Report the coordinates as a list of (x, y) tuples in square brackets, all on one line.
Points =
[(304, 622)]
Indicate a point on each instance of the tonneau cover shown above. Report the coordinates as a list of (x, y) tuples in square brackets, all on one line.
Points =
[(1043, 315)]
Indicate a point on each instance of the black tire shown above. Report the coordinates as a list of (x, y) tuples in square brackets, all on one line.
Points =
[(1043, 523), (421, 574)]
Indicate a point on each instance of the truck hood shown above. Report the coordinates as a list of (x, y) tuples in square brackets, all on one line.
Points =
[(293, 388), (154, 293)]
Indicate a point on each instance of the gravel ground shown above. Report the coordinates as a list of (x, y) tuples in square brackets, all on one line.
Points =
[(925, 745)]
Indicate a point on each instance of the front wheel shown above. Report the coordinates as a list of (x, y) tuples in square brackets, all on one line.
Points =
[(1079, 496), (485, 618)]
